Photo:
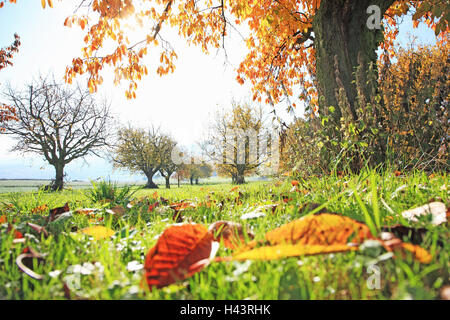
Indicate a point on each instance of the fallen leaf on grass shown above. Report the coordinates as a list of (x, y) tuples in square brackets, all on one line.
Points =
[(117, 210), (17, 234), (181, 251), (323, 233), (56, 212), (151, 207), (39, 229), (290, 250), (398, 246), (98, 232), (3, 219), (25, 262), (232, 233), (40, 209), (322, 229), (437, 210)]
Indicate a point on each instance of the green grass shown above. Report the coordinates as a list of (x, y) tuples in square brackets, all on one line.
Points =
[(98, 269)]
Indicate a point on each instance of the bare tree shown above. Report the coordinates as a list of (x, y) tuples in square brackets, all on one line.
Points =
[(59, 122)]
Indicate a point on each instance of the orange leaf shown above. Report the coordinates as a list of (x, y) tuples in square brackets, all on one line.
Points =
[(181, 251), (294, 183), (39, 209), (3, 219)]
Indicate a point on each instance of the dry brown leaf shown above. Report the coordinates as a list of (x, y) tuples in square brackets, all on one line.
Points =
[(56, 212), (117, 210)]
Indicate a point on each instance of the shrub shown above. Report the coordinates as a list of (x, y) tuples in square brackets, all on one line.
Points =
[(107, 191)]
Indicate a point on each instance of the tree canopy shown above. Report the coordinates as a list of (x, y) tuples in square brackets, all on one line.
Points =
[(284, 40), (58, 122)]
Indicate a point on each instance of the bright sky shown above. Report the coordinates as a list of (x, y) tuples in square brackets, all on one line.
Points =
[(180, 103)]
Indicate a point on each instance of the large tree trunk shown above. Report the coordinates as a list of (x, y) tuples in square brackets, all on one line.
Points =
[(58, 184), (150, 184), (341, 34), (239, 178), (167, 182)]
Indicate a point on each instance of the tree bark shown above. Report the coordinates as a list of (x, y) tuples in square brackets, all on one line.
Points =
[(196, 181), (58, 184), (240, 175), (167, 182), (341, 34), (150, 184)]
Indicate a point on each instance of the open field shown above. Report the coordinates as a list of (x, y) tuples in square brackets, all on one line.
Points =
[(19, 185), (112, 268)]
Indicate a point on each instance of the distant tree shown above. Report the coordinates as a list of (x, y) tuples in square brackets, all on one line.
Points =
[(61, 123), (182, 173), (234, 141), (168, 166), (140, 150), (198, 171)]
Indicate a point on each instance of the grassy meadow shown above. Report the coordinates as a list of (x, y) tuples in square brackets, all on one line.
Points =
[(76, 266)]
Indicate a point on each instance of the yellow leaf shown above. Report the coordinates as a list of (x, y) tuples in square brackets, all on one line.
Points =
[(98, 232), (50, 3), (290, 250), (420, 254), (322, 229), (43, 3)]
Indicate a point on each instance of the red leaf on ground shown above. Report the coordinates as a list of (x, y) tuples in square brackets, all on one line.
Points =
[(181, 251), (17, 234), (54, 213)]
